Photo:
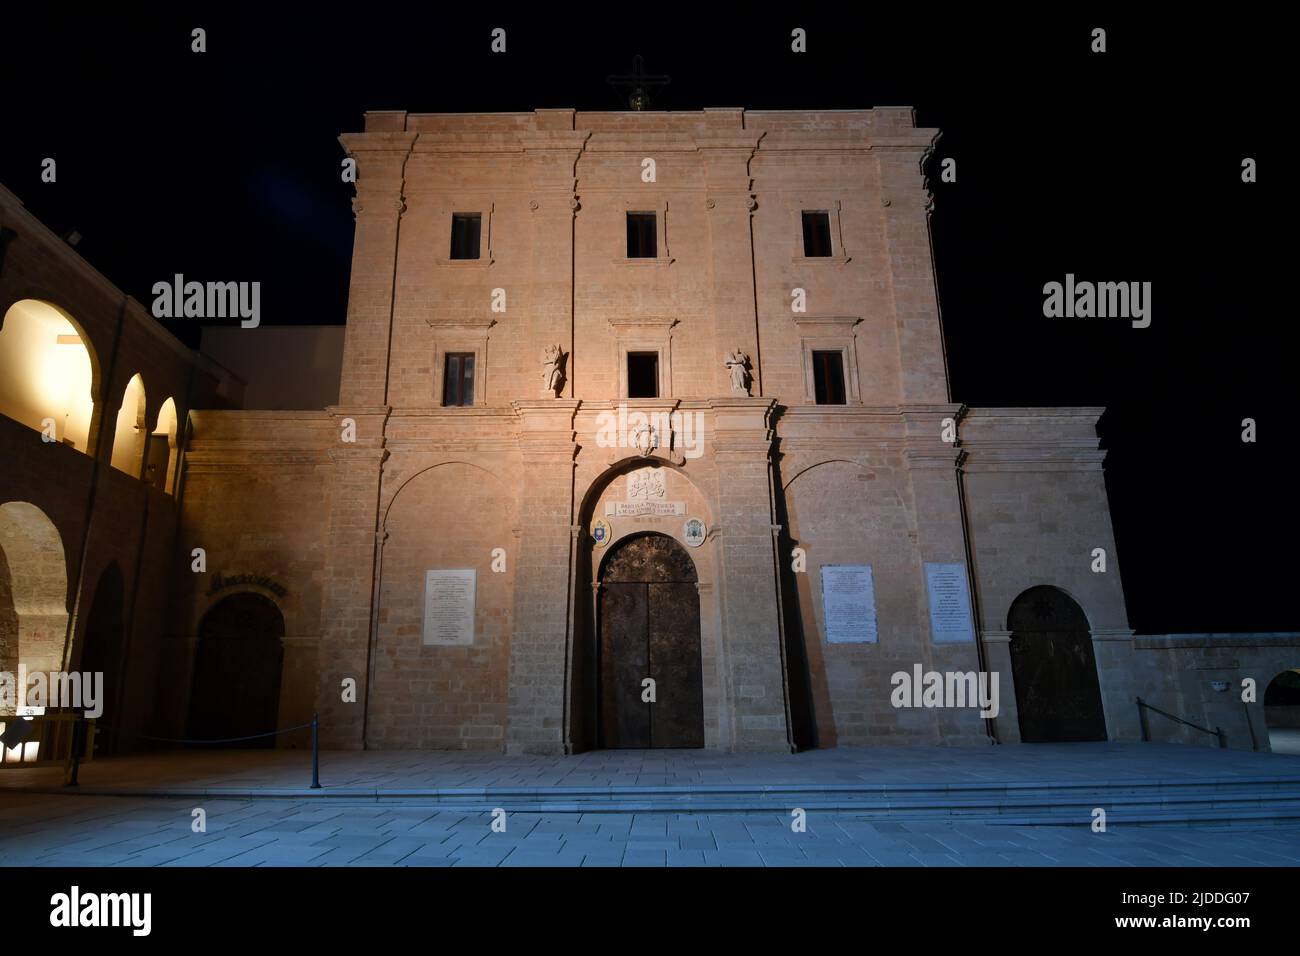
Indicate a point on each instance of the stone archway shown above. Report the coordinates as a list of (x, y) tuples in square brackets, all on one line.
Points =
[(33, 590), (649, 627), (1282, 712), (49, 373), (1058, 694), (237, 666)]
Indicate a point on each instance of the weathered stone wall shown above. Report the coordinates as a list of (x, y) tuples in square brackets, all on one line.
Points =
[(453, 515), (255, 501)]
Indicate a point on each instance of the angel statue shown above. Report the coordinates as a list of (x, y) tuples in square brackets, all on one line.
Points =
[(738, 363), (552, 374)]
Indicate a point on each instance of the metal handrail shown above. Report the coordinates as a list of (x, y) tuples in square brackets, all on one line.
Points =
[(1143, 707)]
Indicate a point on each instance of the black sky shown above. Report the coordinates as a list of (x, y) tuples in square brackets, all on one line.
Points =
[(1123, 166)]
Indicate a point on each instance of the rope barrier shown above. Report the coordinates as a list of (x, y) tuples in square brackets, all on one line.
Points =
[(79, 736), (222, 740)]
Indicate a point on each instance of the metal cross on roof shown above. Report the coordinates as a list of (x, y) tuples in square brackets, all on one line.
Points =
[(639, 83)]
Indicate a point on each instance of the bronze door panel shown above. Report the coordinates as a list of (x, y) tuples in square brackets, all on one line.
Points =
[(625, 719), (1057, 692), (677, 717), (1058, 695), (649, 626)]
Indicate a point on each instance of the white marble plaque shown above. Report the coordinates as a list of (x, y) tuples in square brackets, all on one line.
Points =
[(849, 604), (950, 617), (637, 509), (449, 607)]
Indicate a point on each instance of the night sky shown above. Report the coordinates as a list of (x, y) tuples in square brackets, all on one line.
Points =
[(1123, 166)]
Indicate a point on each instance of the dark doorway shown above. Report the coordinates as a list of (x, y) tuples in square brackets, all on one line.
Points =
[(237, 671), (650, 627), (105, 635), (1055, 671)]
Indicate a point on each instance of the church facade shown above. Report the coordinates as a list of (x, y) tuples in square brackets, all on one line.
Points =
[(644, 438)]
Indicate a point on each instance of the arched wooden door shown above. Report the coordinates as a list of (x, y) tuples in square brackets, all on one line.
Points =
[(650, 628), (1058, 695), (237, 671)]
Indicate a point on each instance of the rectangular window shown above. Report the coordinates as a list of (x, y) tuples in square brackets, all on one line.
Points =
[(816, 234), (465, 229), (642, 374), (828, 377), (458, 379), (641, 236)]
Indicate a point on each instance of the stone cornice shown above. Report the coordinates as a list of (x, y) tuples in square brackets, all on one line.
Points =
[(825, 324), (456, 415), (376, 142), (1190, 641), (239, 458), (661, 323)]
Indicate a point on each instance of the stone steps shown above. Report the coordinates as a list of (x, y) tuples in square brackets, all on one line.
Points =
[(1230, 801)]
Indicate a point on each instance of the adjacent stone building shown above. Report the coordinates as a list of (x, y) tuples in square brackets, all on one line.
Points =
[(644, 438)]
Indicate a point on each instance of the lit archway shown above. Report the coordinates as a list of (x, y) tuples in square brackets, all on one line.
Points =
[(33, 589), (1282, 712), (160, 466), (49, 373), (129, 434)]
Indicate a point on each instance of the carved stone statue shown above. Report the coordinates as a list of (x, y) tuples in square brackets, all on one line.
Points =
[(552, 370), (738, 363)]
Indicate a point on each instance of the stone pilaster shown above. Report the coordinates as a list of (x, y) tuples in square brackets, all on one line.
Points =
[(539, 642), (747, 572), (349, 575), (378, 207), (997, 659), (905, 214), (551, 152), (730, 203), (940, 538)]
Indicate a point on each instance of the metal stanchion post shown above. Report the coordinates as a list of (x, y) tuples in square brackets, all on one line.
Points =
[(78, 745), (315, 751)]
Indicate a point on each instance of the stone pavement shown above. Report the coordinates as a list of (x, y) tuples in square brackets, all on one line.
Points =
[(42, 830), (277, 822)]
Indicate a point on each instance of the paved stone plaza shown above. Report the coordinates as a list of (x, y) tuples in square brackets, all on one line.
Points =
[(39, 830), (389, 808)]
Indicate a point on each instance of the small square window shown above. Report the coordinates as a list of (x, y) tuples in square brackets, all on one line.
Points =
[(642, 374), (816, 235), (828, 377), (641, 236), (465, 231), (458, 379)]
